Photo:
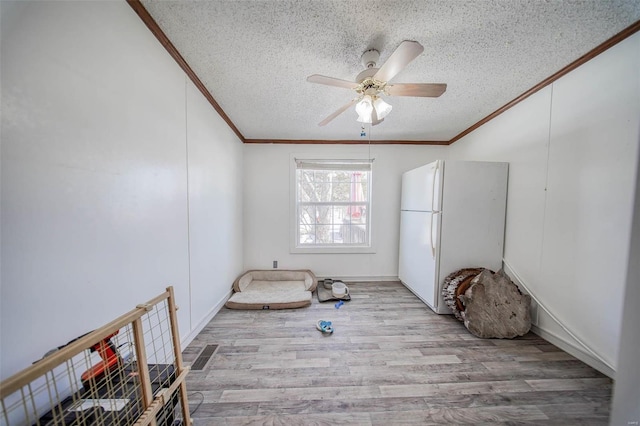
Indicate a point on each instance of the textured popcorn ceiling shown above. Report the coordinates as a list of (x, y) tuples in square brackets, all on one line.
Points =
[(254, 56)]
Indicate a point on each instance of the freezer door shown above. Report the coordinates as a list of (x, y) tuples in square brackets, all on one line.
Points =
[(417, 268), (421, 188)]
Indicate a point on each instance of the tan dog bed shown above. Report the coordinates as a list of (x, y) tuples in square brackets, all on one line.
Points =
[(273, 289)]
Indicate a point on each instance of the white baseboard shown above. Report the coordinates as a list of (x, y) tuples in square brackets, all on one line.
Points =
[(202, 324), (566, 343), (574, 351)]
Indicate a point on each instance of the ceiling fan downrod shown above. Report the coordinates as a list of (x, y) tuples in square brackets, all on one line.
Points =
[(370, 58)]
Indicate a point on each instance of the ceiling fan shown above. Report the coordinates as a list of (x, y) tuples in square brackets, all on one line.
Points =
[(373, 82)]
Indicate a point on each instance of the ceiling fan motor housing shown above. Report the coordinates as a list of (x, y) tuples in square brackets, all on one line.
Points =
[(369, 60)]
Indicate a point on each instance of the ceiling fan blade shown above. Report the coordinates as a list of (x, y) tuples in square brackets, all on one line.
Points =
[(338, 112), (400, 58), (427, 90), (330, 81)]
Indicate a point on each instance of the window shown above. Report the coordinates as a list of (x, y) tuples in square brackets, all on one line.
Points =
[(333, 204)]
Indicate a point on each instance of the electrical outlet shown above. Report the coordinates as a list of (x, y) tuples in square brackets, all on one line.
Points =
[(275, 264)]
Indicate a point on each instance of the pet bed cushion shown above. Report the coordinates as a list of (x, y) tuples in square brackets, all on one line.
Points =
[(273, 289)]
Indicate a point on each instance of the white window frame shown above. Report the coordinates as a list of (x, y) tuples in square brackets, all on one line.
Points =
[(294, 246)]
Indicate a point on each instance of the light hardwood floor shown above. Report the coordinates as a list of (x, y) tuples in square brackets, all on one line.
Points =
[(390, 361)]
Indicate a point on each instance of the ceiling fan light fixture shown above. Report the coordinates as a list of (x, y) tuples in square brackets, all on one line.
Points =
[(366, 106), (374, 81), (382, 108)]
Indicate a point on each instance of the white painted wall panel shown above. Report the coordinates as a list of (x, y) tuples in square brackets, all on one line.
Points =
[(94, 176), (593, 144), (520, 137), (267, 207), (215, 205), (625, 408), (93, 180), (568, 245)]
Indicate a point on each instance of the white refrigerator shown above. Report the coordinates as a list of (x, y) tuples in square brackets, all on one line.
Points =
[(452, 217)]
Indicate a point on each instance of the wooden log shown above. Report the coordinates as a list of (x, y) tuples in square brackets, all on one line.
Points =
[(455, 284), (495, 307)]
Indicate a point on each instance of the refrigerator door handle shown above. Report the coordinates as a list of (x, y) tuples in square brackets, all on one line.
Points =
[(433, 185), (433, 247)]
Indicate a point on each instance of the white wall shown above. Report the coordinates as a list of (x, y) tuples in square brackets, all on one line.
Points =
[(267, 222), (118, 179), (625, 409), (215, 208), (572, 149)]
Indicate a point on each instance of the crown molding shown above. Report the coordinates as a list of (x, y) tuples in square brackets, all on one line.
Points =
[(627, 32), (343, 142), (140, 10), (164, 41)]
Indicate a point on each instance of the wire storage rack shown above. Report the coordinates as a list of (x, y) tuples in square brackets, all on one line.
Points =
[(127, 372)]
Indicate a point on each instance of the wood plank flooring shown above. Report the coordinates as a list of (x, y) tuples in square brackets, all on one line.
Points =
[(390, 361)]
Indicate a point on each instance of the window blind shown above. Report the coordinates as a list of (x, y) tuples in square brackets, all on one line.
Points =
[(351, 165)]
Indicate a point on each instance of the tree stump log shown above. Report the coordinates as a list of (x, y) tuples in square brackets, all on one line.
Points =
[(495, 307), (456, 284)]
